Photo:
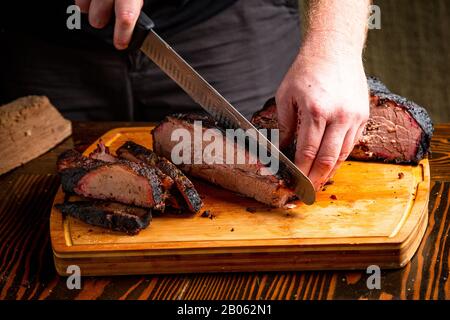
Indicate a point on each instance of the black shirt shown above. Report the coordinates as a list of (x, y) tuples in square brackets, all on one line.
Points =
[(171, 16), (48, 18)]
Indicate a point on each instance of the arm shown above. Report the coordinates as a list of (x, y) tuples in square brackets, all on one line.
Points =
[(326, 89), (126, 12)]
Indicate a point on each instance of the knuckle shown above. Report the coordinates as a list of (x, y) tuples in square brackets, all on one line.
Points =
[(343, 156), (341, 115), (308, 152), (326, 162), (317, 112), (126, 18)]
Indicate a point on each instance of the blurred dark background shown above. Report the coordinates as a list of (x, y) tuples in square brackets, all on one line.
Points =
[(411, 52)]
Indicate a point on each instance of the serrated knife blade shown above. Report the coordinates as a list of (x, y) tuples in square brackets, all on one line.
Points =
[(217, 106)]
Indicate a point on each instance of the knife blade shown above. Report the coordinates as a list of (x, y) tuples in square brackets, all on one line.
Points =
[(217, 106), (154, 47)]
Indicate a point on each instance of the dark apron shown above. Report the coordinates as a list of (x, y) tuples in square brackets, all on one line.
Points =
[(244, 52)]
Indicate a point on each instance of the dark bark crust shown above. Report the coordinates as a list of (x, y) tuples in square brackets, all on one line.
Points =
[(183, 184), (266, 118), (72, 166), (419, 113), (113, 216)]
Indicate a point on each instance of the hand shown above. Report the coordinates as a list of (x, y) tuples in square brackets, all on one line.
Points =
[(328, 97), (126, 12)]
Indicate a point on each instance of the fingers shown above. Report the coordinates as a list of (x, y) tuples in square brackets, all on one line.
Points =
[(84, 5), (100, 12), (329, 153), (127, 13), (347, 147), (309, 137), (287, 121)]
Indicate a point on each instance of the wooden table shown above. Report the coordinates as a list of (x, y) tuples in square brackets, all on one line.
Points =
[(27, 271)]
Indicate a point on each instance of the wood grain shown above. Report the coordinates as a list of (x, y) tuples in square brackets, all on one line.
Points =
[(351, 225), (440, 158), (27, 269)]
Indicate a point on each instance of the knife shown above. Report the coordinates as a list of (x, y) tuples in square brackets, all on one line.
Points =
[(154, 47)]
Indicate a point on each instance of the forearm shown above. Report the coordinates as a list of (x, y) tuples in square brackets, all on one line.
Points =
[(326, 88), (336, 28)]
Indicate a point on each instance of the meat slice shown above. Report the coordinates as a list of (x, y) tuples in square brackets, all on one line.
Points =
[(122, 181), (247, 179), (397, 131), (102, 153), (135, 152), (111, 215)]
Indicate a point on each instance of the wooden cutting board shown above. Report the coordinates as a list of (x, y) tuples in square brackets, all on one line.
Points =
[(368, 216)]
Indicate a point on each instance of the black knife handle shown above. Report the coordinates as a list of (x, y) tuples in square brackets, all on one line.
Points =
[(143, 25)]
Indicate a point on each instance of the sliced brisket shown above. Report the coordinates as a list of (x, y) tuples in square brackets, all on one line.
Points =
[(246, 179), (121, 181), (397, 131), (110, 215), (102, 153), (135, 152)]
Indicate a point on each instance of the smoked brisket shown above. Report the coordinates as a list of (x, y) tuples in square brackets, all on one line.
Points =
[(102, 153), (397, 131), (121, 181), (135, 152), (110, 215), (246, 179)]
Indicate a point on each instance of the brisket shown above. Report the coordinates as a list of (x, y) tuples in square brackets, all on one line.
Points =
[(121, 181), (135, 152), (110, 215), (102, 153), (397, 131), (246, 179)]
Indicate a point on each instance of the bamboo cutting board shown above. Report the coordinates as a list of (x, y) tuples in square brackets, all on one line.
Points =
[(368, 216)]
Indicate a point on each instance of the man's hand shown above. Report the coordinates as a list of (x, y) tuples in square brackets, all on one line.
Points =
[(325, 90), (328, 97), (126, 12)]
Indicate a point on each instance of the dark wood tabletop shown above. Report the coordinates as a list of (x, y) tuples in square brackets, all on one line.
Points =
[(27, 270)]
